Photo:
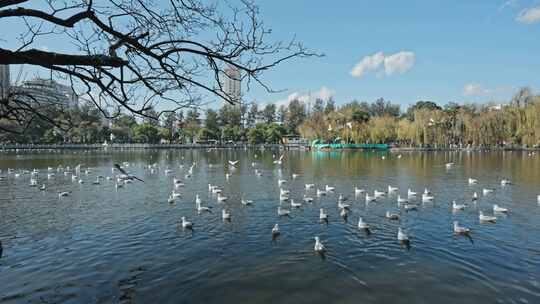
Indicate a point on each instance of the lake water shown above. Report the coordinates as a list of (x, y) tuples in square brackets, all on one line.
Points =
[(102, 245)]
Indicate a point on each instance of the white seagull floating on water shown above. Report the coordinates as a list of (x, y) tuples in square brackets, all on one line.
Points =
[(486, 218), (402, 236), (460, 230), (362, 224), (456, 206), (186, 224), (497, 208), (319, 247)]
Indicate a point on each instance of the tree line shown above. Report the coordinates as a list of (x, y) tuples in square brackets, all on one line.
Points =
[(423, 124)]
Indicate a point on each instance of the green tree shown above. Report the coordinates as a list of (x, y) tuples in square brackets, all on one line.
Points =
[(269, 113), (256, 135), (330, 106), (146, 133), (252, 115), (212, 125), (295, 116), (318, 107), (274, 133)]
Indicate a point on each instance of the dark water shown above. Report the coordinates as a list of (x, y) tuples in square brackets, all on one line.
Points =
[(99, 245)]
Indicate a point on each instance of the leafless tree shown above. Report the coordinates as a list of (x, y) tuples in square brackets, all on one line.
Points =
[(135, 54)]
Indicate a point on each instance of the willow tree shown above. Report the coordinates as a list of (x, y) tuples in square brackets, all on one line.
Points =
[(134, 54)]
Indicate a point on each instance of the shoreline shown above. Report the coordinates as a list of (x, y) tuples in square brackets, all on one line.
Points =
[(115, 147)]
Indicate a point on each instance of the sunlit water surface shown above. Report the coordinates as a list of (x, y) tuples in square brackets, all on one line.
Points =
[(99, 245)]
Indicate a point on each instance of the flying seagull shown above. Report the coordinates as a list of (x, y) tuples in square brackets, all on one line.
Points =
[(126, 175)]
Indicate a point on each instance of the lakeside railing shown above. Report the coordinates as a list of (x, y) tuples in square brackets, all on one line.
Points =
[(117, 146)]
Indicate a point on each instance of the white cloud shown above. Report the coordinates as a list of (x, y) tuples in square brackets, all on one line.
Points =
[(474, 89), (529, 16), (323, 93), (502, 92), (367, 64), (397, 63)]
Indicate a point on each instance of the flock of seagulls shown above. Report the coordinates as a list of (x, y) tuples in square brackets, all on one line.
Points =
[(407, 202)]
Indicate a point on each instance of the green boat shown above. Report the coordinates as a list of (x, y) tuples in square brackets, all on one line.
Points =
[(319, 145)]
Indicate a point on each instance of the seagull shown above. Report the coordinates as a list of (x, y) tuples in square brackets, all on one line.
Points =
[(344, 213), (456, 206), (449, 165), (42, 187), (378, 194), (186, 224), (125, 174), (497, 208), (281, 181), (175, 194), (308, 199), (309, 186), (275, 230), (343, 206), (358, 191), (221, 198), (472, 181), (401, 200), (505, 182), (392, 216), (370, 198), (427, 198), (460, 230), (411, 193), (201, 209), (402, 236), (233, 162), (410, 207), (392, 189), (329, 189), (283, 212), (319, 247), (487, 191), (320, 192), (295, 175), (475, 196), (170, 200), (362, 224), (246, 202), (486, 218), (225, 215), (322, 215), (65, 193), (295, 205)]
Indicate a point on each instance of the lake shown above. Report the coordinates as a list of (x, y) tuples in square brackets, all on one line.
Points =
[(100, 244)]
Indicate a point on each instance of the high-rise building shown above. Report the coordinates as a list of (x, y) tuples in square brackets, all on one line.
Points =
[(231, 84), (4, 80), (47, 91)]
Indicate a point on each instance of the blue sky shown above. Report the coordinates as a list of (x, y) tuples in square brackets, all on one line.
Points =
[(464, 51), (403, 51)]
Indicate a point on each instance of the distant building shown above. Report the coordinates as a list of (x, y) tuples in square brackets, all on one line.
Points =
[(497, 107), (231, 84), (4, 80), (47, 91)]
